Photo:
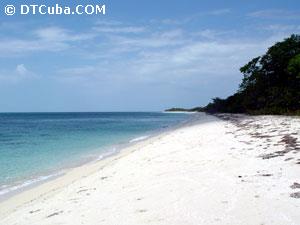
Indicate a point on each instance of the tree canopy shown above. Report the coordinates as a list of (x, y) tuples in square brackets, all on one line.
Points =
[(271, 83)]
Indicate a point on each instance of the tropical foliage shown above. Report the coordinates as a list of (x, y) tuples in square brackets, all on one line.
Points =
[(271, 83)]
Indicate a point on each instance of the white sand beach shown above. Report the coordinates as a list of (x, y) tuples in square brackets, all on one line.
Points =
[(234, 170)]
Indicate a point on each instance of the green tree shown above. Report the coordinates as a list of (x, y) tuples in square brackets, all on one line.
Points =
[(271, 82), (294, 66)]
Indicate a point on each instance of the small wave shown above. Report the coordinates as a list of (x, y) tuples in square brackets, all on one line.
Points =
[(5, 189), (138, 139), (106, 154)]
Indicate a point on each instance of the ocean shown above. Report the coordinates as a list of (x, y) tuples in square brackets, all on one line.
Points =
[(38, 146)]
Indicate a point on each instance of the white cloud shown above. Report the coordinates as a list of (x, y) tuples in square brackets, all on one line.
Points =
[(181, 21), (199, 58), (117, 27), (192, 61), (169, 55), (21, 70), (129, 29), (287, 28), (44, 39), (154, 40), (146, 54), (108, 23), (57, 34), (20, 73), (212, 34), (275, 14)]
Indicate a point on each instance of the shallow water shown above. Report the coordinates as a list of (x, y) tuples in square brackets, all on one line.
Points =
[(36, 146)]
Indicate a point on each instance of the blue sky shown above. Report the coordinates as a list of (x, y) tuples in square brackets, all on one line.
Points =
[(140, 56)]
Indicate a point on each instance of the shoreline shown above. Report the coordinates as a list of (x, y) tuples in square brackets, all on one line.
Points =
[(108, 151), (68, 176), (117, 150), (175, 178)]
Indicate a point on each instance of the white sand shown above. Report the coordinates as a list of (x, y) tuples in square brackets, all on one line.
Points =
[(211, 172)]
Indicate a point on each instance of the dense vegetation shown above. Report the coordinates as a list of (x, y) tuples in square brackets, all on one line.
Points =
[(184, 110), (271, 83)]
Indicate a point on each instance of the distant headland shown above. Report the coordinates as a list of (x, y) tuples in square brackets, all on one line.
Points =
[(196, 109), (271, 84)]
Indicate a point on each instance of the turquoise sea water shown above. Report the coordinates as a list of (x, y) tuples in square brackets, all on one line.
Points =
[(36, 146)]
